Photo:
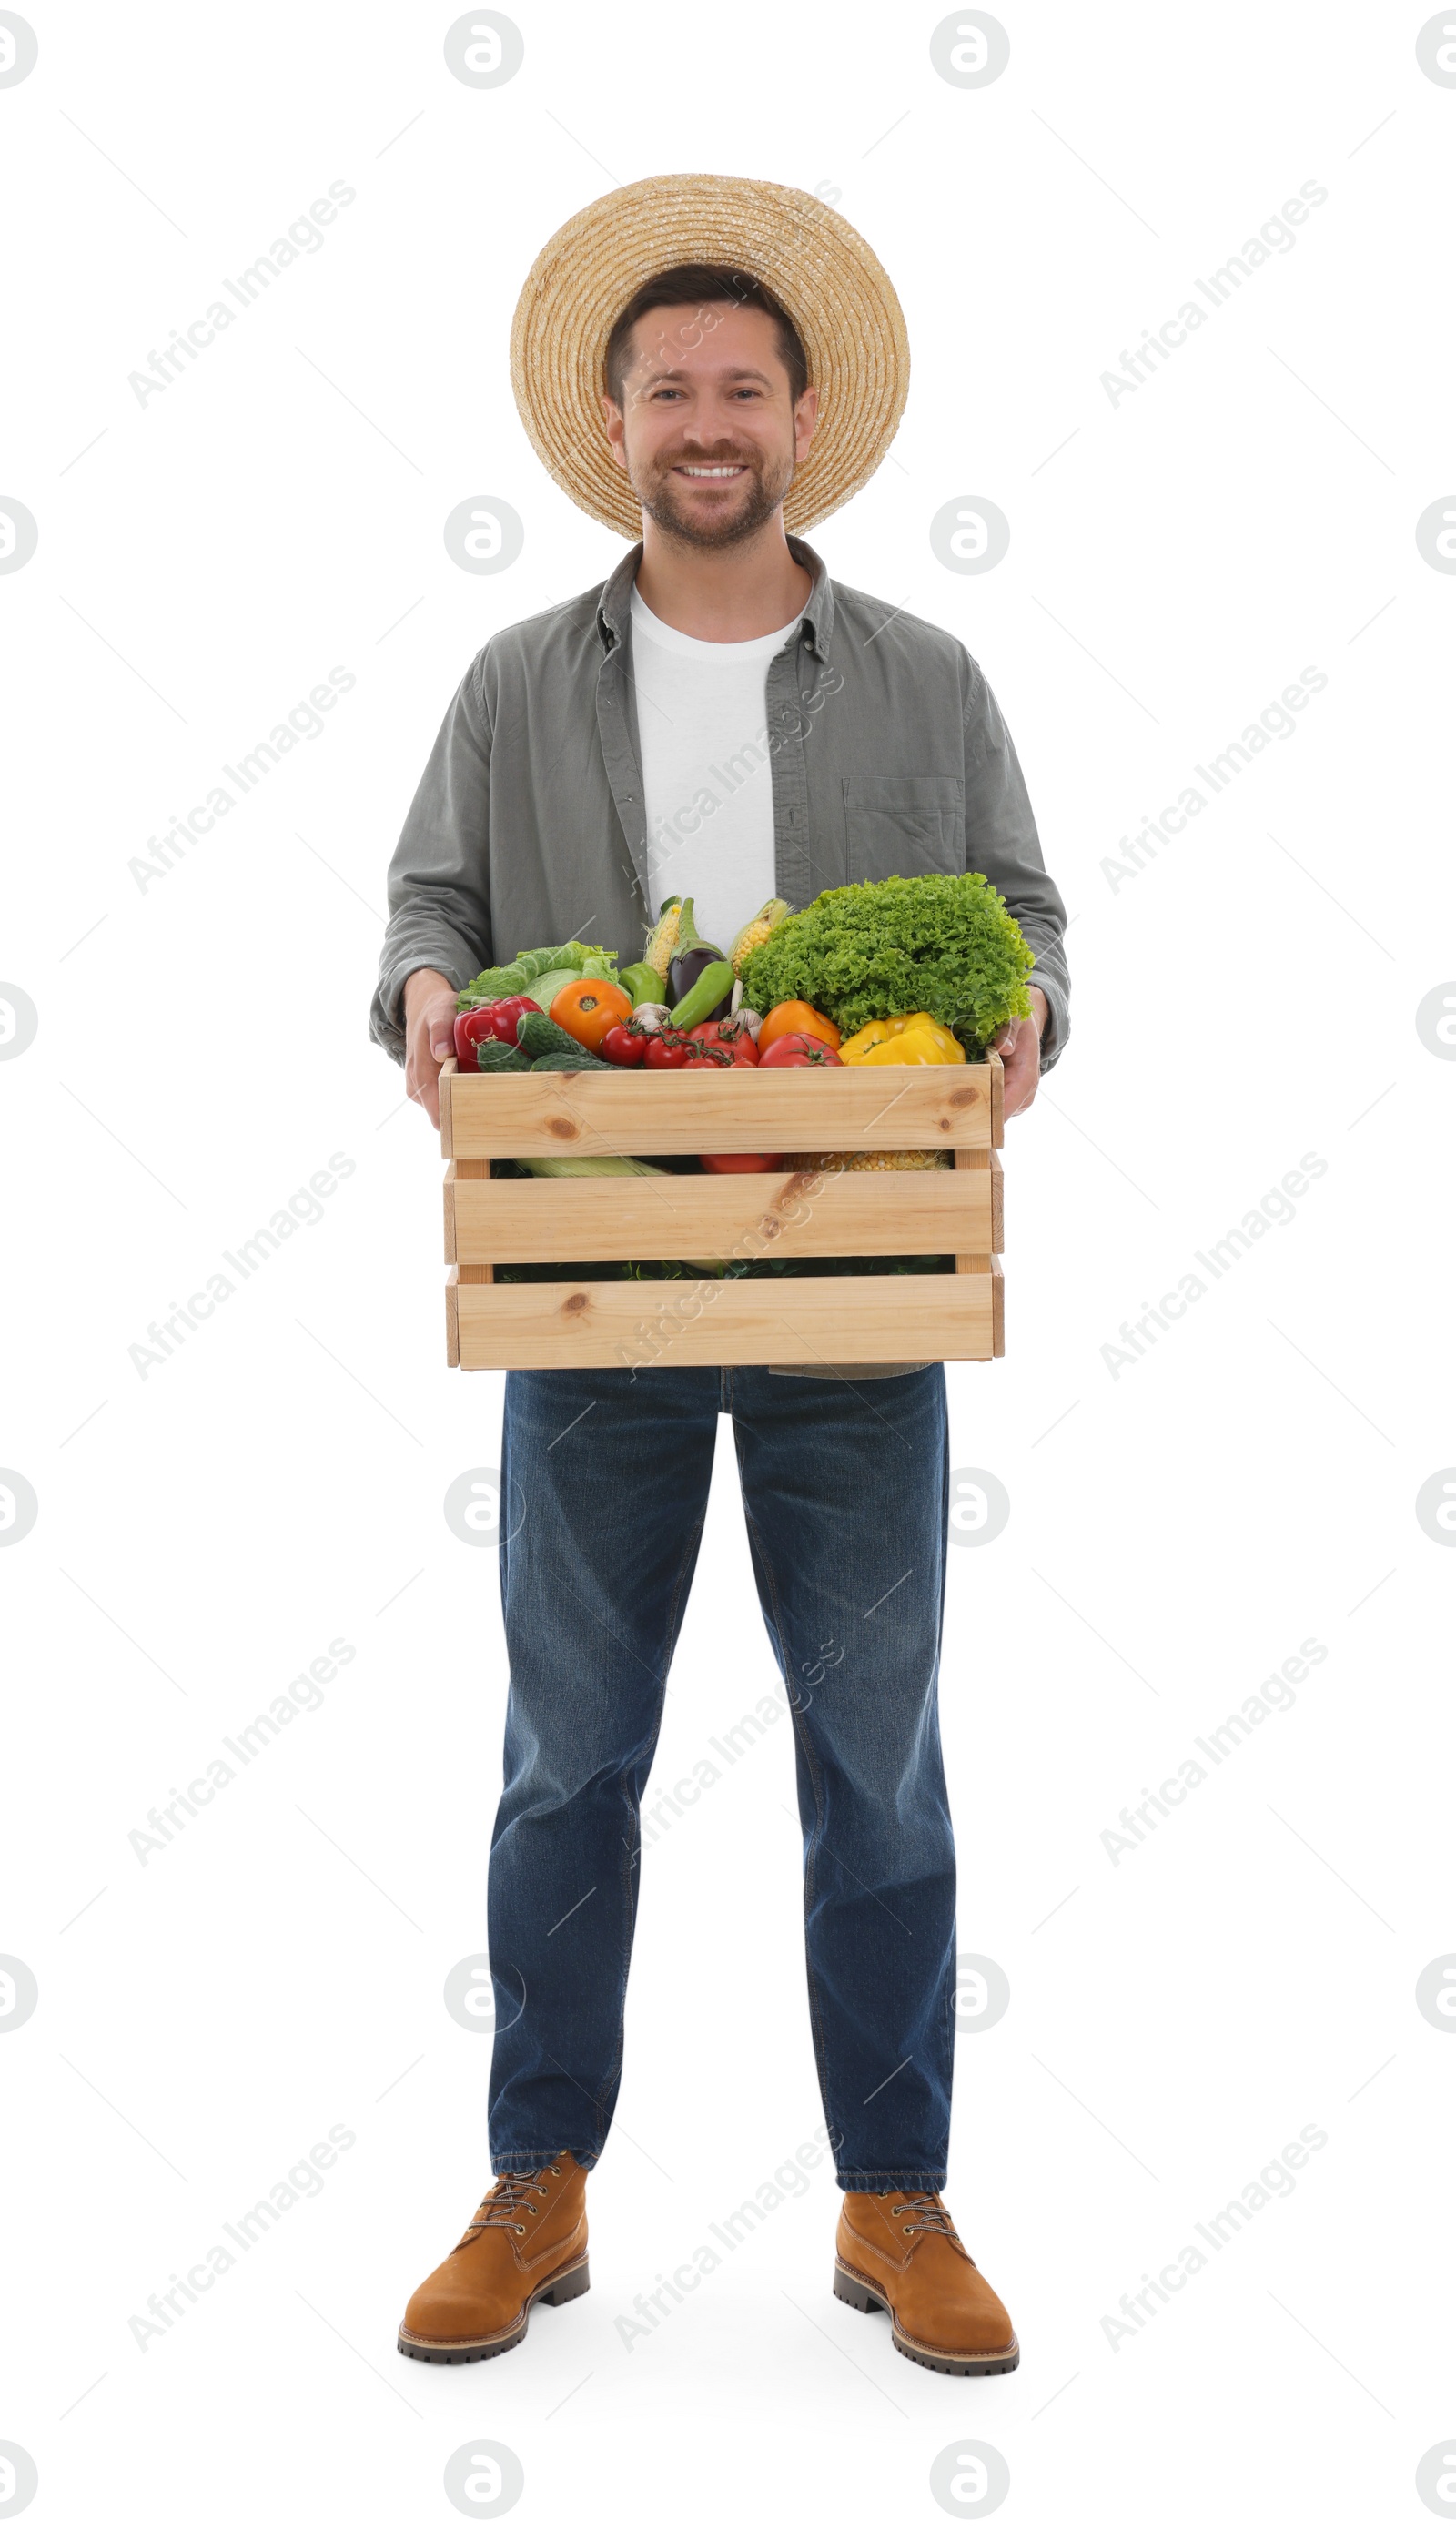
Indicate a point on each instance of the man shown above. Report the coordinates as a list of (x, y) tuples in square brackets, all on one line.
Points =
[(719, 360)]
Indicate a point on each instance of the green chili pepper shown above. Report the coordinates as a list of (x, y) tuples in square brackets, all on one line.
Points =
[(642, 981), (699, 1003)]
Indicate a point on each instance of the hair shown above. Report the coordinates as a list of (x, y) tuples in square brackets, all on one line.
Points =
[(703, 284)]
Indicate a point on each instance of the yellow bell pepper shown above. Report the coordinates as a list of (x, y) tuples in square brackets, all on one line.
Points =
[(853, 1049), (912, 1038), (951, 1049)]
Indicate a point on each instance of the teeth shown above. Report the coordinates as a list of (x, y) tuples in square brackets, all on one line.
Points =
[(711, 469)]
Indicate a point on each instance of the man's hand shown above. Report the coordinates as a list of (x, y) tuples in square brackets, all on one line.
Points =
[(1019, 1046), (429, 1036)]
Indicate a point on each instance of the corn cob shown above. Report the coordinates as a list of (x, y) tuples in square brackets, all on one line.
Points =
[(755, 933), (662, 939), (818, 1161)]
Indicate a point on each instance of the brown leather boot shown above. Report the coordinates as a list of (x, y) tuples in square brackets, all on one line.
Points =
[(528, 2243), (900, 2252)]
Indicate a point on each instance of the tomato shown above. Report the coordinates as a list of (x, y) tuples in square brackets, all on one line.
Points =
[(732, 1163), (588, 1008), (728, 1033), (787, 1050), (619, 1045), (796, 1019), (711, 1058), (667, 1053)]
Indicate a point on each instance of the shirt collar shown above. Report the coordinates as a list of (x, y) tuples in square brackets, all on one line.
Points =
[(613, 606)]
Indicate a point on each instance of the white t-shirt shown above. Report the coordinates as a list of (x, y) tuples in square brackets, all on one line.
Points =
[(702, 724)]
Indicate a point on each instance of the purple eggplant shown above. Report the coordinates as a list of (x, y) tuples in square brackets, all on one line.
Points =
[(692, 957)]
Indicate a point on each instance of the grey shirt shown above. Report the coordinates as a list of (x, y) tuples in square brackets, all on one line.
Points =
[(889, 756)]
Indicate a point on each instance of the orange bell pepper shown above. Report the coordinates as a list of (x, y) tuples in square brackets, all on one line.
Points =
[(797, 1019), (588, 1008)]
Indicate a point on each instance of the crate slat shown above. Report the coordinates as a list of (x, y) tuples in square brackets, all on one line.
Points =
[(923, 1212), (885, 1317), (580, 1114), (956, 1316)]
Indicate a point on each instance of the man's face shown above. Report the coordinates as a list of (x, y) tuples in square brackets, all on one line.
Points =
[(707, 433)]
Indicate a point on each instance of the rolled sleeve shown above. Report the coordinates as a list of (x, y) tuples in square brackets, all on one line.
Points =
[(439, 879), (1002, 840)]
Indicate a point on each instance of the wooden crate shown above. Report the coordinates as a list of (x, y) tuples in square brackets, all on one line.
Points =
[(954, 1316)]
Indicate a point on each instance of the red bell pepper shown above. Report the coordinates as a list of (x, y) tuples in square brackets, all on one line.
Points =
[(732, 1164), (489, 1020)]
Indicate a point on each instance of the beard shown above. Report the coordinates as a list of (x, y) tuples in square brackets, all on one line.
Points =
[(751, 501)]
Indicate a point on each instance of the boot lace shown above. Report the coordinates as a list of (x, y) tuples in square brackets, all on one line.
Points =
[(929, 2215), (510, 2198)]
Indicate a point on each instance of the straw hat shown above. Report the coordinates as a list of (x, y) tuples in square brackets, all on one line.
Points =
[(814, 263)]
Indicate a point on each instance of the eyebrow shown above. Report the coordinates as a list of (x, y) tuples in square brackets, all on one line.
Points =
[(660, 376)]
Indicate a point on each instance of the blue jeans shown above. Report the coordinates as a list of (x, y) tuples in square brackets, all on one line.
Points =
[(605, 1487)]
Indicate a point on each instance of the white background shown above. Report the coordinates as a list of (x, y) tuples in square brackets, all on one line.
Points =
[(1176, 1530)]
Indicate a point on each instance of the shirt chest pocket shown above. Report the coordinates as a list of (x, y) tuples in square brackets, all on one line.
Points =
[(904, 825)]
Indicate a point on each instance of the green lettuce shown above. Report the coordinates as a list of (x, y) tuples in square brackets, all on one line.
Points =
[(495, 984), (942, 944)]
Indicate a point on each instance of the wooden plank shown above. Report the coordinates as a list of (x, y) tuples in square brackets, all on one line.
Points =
[(455, 1171), (996, 1070), (993, 1242), (879, 1108), (869, 1317), (990, 1268), (460, 1277), (920, 1212)]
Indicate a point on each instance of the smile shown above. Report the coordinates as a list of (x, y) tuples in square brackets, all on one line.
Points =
[(712, 474)]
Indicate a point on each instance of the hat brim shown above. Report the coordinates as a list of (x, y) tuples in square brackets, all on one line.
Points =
[(816, 265)]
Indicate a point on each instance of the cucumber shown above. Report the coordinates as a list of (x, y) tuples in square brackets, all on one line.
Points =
[(537, 1036), (579, 1059), (492, 1056)]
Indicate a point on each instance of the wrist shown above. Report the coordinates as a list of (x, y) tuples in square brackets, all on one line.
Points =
[(424, 984)]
